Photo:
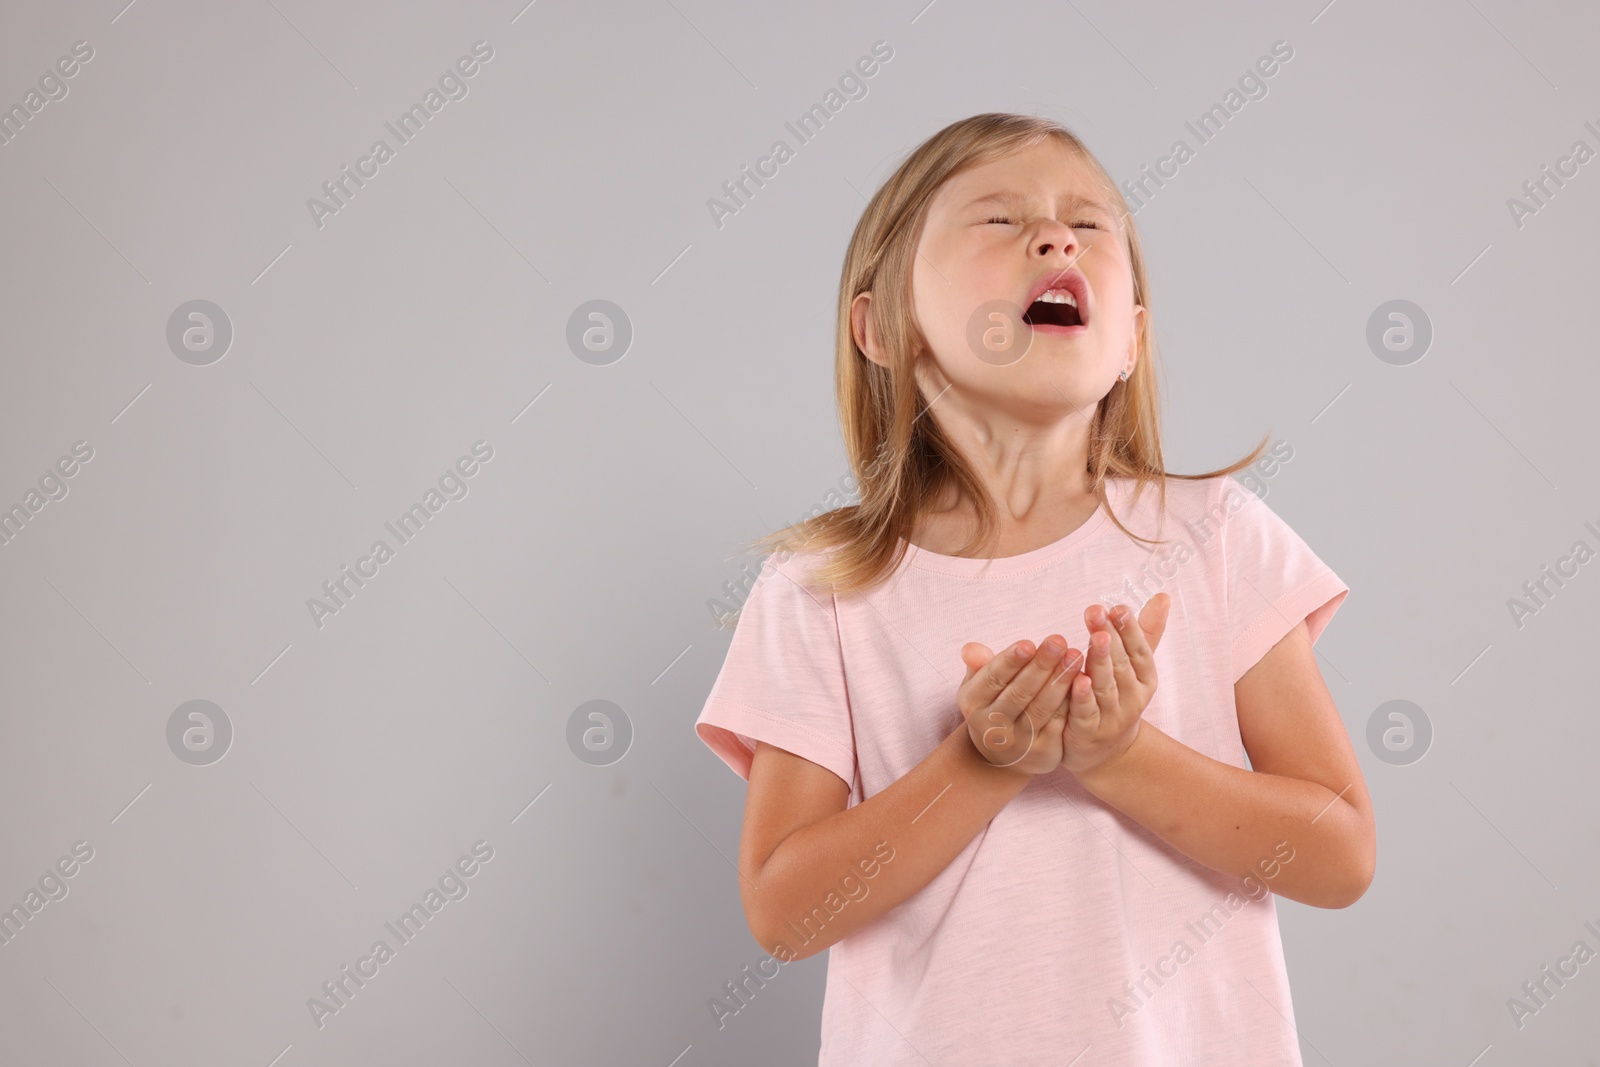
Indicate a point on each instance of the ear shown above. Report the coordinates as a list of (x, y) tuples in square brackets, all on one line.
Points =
[(1139, 314), (863, 330)]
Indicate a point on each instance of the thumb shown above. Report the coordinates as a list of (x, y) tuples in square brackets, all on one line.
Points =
[(975, 656), (1153, 617)]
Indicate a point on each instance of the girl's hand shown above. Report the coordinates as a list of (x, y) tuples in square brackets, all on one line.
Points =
[(1105, 704), (1015, 703)]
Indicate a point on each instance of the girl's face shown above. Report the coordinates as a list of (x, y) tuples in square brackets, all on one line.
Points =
[(992, 233)]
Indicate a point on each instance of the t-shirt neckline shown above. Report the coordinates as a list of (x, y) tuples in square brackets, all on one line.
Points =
[(1042, 556)]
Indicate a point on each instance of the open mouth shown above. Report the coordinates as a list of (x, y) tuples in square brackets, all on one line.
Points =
[(1055, 308)]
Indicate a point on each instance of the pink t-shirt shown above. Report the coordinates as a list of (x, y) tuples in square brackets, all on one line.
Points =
[(1063, 926)]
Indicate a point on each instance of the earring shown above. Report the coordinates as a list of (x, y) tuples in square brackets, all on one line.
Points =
[(1123, 376)]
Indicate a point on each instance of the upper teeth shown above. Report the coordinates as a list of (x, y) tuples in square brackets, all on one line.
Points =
[(1058, 296)]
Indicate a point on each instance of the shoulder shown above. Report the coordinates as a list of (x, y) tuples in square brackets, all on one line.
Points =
[(1215, 499), (786, 585), (798, 568), (1160, 502), (1212, 519)]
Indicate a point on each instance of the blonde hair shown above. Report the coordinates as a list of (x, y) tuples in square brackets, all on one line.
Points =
[(902, 461)]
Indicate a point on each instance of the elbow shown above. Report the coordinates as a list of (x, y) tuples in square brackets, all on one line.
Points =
[(775, 942), (755, 920), (1357, 878), (773, 935), (1359, 888), (1358, 864), (1347, 895)]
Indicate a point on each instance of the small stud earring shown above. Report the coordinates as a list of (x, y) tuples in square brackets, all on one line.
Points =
[(1123, 376)]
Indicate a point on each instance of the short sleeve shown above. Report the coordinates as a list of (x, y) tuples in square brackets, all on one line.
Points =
[(1273, 578), (783, 679)]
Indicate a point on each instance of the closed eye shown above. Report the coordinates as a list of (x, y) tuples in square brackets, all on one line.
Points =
[(1080, 224)]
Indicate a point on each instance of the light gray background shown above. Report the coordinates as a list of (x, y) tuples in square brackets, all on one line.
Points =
[(429, 313)]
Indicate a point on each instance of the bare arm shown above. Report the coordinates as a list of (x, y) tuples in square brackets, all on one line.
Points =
[(824, 850), (1305, 790)]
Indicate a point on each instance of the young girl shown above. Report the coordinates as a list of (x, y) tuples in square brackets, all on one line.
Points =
[(1036, 856)]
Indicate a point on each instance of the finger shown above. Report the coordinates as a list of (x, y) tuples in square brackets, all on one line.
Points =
[(1098, 619), (1122, 668), (1153, 618), (1083, 713), (1050, 734), (1103, 681), (1072, 665), (1027, 683), (998, 672), (1010, 730), (1136, 648), (1051, 731), (974, 656), (1050, 702)]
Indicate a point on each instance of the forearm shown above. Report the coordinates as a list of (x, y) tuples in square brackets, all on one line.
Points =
[(922, 821), (1232, 819)]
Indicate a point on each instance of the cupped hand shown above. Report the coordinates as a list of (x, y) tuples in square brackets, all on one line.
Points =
[(1015, 703), (1108, 698)]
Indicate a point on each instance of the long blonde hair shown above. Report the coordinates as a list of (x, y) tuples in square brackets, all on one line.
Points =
[(903, 462)]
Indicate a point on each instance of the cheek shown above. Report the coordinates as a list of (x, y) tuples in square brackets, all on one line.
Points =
[(1116, 302), (939, 310)]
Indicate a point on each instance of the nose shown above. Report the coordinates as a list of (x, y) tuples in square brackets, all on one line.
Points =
[(1053, 235)]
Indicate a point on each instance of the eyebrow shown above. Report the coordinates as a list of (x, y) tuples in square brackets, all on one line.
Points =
[(1074, 201)]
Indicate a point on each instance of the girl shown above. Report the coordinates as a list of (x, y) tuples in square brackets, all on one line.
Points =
[(1037, 856)]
